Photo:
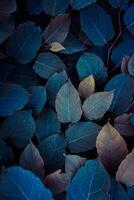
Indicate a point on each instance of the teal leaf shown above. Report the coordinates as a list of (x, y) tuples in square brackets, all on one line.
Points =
[(91, 182), (68, 104), (6, 154), (18, 128), (129, 19), (47, 64), (91, 23), (79, 4), (81, 136)]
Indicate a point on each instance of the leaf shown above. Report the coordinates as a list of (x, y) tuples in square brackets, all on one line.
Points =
[(73, 163), (55, 7), (111, 147), (6, 154), (56, 47), (82, 136), (18, 128), (129, 19), (96, 105), (47, 64), (31, 160), (8, 6), (123, 85), (91, 24), (123, 124), (86, 87), (131, 65), (47, 124), (17, 183), (118, 3), (124, 173), (90, 64), (79, 4), (53, 85), (38, 98), (124, 64), (52, 149), (58, 29), (94, 185), (6, 26), (12, 98), (25, 49), (57, 182), (34, 7), (68, 104)]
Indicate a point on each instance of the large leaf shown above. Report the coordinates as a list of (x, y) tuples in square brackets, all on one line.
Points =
[(27, 40), (6, 154), (96, 105), (47, 124), (55, 7), (18, 128), (58, 29), (34, 6), (111, 147), (91, 23), (54, 83), (8, 6), (52, 149), (47, 64), (118, 3), (68, 104), (12, 98), (19, 184), (79, 4), (90, 64), (129, 19), (82, 136), (123, 86), (91, 182)]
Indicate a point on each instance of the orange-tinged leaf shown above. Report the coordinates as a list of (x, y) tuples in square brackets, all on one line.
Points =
[(111, 147)]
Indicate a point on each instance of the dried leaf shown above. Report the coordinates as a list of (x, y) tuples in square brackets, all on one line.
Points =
[(56, 47)]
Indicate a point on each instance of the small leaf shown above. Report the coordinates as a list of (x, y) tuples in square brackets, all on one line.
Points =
[(47, 124), (56, 47), (52, 149), (86, 87), (47, 64), (96, 105), (91, 23), (79, 4), (124, 64), (123, 124), (58, 29), (12, 98), (6, 154), (111, 147), (90, 64), (18, 128), (17, 183), (129, 19), (25, 49), (131, 65), (81, 136), (94, 185), (125, 170), (8, 6), (68, 104), (34, 7)]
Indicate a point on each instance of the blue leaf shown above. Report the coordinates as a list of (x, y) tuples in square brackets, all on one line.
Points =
[(38, 98), (91, 182), (81, 136), (18, 128), (54, 83), (34, 7), (79, 4), (129, 19), (12, 98), (24, 43), (4, 74), (47, 124), (52, 149), (47, 64), (130, 190), (91, 23), (8, 6), (118, 3), (19, 184), (91, 64), (123, 86), (55, 7), (117, 191), (6, 26), (6, 154)]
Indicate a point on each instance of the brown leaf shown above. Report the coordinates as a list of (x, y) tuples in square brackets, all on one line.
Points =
[(124, 64), (123, 125), (56, 47), (125, 173), (86, 87), (111, 147), (31, 159)]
